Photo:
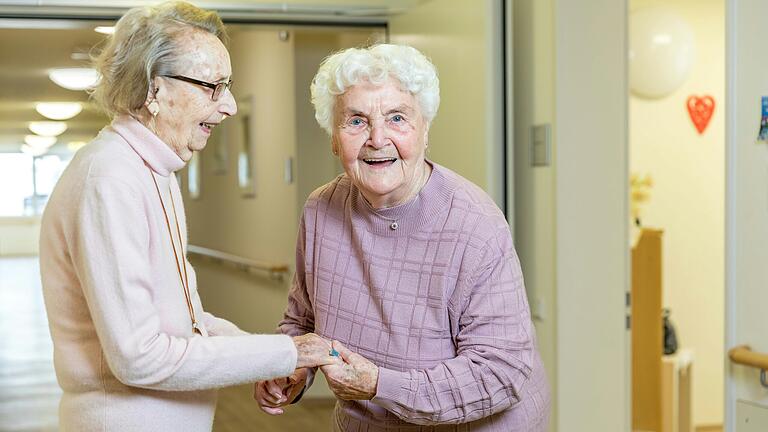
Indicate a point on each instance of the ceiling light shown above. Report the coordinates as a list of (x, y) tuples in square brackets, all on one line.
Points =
[(74, 78), (33, 151), (48, 128), (59, 110), (105, 29), (38, 141)]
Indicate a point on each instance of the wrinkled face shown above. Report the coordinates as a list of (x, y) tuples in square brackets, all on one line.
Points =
[(380, 137), (186, 112)]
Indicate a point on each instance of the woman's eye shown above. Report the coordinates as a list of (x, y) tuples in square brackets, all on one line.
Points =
[(356, 121), (397, 118)]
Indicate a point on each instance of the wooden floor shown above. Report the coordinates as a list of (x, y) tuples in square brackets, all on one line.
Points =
[(29, 395)]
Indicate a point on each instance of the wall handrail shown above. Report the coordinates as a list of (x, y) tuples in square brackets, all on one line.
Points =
[(276, 271), (744, 355)]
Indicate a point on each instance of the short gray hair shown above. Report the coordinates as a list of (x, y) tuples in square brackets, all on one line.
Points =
[(376, 65), (143, 46)]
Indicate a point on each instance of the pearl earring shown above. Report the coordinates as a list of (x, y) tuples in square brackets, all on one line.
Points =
[(154, 108)]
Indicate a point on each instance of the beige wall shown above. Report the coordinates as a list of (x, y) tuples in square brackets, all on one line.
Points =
[(19, 235), (275, 75), (462, 40), (261, 228), (687, 199), (534, 104)]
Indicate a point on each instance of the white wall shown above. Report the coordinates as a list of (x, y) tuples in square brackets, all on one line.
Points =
[(687, 200), (570, 71), (591, 180), (747, 200)]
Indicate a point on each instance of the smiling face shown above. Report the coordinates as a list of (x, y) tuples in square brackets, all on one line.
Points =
[(186, 112), (380, 137)]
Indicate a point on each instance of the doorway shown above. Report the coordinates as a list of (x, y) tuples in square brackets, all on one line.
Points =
[(677, 167)]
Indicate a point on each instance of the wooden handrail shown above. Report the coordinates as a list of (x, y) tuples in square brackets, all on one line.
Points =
[(275, 270), (744, 355)]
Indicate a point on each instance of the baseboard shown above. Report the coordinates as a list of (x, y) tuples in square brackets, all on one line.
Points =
[(710, 428)]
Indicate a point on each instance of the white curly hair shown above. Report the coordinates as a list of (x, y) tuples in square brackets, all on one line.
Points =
[(376, 64)]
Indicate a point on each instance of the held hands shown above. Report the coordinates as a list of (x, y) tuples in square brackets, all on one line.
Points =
[(272, 395), (313, 351), (354, 379)]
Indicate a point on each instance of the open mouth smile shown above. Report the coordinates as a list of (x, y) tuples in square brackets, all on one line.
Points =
[(377, 162)]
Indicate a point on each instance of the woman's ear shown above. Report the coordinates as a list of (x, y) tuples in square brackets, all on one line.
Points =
[(151, 102), (334, 145)]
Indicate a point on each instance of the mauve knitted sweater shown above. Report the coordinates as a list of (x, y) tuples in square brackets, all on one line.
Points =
[(436, 301), (124, 350)]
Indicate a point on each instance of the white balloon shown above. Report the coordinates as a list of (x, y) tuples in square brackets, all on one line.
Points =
[(662, 50)]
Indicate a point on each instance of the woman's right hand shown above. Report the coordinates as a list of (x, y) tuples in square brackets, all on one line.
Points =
[(313, 351)]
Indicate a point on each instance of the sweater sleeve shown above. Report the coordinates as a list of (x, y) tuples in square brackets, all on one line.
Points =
[(109, 248), (494, 351), (299, 316)]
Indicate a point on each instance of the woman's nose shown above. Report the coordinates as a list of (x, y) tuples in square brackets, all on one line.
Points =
[(377, 136), (227, 104)]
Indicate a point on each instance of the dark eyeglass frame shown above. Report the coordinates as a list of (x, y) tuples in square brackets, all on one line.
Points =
[(218, 88)]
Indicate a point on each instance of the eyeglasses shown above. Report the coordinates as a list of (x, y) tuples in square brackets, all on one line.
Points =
[(218, 88)]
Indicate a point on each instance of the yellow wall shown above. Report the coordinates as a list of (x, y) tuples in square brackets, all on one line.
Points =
[(687, 200)]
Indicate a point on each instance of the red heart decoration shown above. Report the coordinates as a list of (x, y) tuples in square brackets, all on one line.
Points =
[(700, 109)]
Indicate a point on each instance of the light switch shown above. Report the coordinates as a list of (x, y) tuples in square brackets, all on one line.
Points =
[(540, 145)]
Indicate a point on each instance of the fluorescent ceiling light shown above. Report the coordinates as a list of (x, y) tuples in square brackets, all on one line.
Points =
[(59, 110), (47, 128), (74, 78), (33, 151), (105, 29), (38, 141)]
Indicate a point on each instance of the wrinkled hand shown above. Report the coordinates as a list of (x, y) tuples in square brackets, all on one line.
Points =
[(272, 395), (355, 379), (313, 351)]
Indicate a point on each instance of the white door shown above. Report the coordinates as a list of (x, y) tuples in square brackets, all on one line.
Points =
[(746, 211)]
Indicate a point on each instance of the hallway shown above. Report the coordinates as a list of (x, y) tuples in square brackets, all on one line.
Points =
[(29, 395)]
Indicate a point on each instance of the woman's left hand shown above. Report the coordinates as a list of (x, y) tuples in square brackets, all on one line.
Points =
[(355, 379), (274, 394)]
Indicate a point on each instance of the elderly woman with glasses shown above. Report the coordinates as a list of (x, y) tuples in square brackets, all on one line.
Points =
[(134, 349), (408, 267)]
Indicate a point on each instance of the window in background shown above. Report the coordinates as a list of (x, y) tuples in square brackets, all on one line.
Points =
[(27, 182), (15, 183)]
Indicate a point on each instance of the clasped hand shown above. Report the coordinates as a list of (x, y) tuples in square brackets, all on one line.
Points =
[(349, 375)]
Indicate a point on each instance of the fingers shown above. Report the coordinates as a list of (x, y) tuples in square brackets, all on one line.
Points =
[(271, 410), (344, 352), (269, 393)]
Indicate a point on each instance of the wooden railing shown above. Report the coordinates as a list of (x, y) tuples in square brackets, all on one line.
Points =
[(744, 355), (275, 271)]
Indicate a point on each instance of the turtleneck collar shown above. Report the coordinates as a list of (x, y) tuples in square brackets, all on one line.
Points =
[(408, 217), (156, 153)]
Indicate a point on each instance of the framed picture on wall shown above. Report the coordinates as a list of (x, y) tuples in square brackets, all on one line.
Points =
[(246, 145)]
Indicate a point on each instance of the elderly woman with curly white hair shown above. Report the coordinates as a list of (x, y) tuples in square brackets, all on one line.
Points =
[(408, 267), (134, 350)]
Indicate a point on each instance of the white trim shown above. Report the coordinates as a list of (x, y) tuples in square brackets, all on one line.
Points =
[(731, 45)]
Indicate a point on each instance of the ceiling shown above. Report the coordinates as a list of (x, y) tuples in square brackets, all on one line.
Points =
[(37, 35), (29, 54)]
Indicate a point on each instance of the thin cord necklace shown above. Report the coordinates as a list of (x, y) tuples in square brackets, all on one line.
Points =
[(184, 279)]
